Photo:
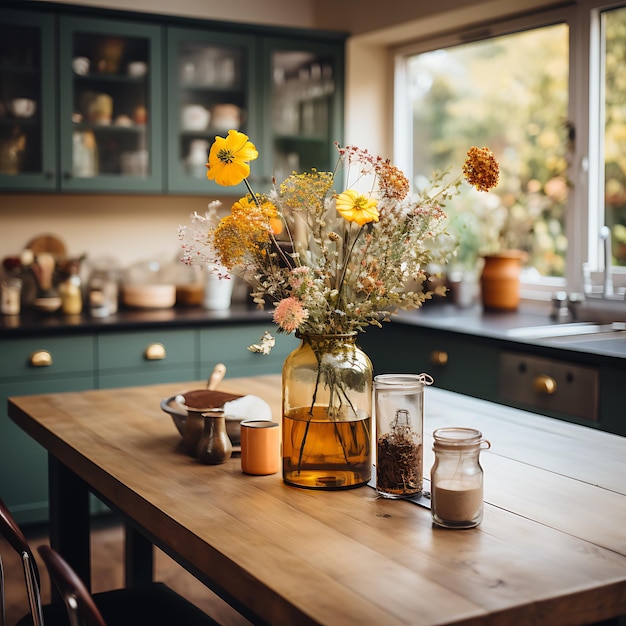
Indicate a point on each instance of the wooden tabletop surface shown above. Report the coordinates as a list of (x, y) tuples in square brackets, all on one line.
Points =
[(551, 548)]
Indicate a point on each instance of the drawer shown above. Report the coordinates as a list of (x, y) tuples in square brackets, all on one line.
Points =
[(47, 357), (541, 384), (150, 350)]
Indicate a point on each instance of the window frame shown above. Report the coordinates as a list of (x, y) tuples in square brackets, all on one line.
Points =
[(585, 205)]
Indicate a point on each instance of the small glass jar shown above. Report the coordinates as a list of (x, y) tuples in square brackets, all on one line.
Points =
[(11, 296), (456, 478), (399, 404)]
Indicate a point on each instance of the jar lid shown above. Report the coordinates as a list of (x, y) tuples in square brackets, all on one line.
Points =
[(401, 381), (457, 437)]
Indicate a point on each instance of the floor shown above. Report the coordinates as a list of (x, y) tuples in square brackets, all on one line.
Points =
[(107, 573)]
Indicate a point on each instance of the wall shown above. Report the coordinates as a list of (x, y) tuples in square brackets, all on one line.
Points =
[(136, 228)]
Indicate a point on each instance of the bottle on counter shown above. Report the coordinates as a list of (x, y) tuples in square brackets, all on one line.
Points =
[(11, 296), (71, 290)]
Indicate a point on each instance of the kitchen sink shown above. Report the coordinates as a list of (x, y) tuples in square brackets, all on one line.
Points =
[(580, 330)]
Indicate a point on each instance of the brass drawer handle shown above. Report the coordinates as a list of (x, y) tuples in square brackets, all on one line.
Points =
[(545, 384), (155, 352), (41, 358), (439, 357)]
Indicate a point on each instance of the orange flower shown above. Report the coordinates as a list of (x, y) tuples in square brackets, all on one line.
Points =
[(481, 170)]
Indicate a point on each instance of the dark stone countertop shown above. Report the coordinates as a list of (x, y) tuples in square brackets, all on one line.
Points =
[(31, 323), (501, 326), (445, 317)]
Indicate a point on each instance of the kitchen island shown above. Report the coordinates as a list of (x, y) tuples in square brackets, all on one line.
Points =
[(551, 548)]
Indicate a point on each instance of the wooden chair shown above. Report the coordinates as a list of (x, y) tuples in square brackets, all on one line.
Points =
[(155, 604)]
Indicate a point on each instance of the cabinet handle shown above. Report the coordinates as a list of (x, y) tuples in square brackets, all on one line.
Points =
[(41, 358), (439, 357), (545, 384), (155, 352)]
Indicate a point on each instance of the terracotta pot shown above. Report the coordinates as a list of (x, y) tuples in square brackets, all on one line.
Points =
[(500, 280)]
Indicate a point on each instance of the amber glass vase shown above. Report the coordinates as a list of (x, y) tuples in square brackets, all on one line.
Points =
[(327, 414)]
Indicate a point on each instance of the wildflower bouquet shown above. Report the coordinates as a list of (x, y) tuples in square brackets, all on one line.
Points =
[(332, 261)]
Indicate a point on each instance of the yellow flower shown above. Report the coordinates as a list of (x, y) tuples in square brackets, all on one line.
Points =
[(481, 170), (355, 207), (229, 159)]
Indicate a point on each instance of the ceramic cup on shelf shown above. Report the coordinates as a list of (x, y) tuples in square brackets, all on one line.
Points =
[(137, 68), (195, 117), (81, 65), (22, 107)]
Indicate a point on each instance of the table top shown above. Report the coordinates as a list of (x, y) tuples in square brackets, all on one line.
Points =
[(551, 548)]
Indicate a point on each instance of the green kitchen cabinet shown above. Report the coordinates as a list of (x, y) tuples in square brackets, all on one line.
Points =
[(212, 88), (286, 94), (34, 366), (132, 103), (463, 364), (229, 345), (303, 105), (28, 102), (111, 116)]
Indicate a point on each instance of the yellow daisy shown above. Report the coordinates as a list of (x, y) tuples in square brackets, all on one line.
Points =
[(355, 207), (229, 159)]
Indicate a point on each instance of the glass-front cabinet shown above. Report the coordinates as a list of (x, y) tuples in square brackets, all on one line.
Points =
[(304, 105), (93, 102), (27, 101), (211, 90), (110, 75)]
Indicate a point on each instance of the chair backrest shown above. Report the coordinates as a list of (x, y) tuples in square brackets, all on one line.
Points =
[(81, 609), (13, 534)]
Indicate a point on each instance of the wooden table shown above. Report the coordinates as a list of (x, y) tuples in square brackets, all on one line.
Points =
[(551, 549)]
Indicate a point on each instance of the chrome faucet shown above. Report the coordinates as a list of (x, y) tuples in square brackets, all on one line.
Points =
[(605, 236)]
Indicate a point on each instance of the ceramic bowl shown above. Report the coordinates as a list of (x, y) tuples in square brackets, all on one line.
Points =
[(197, 399), (195, 117), (23, 107), (137, 68), (149, 296)]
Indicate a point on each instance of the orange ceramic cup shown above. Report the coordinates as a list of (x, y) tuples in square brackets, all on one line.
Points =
[(260, 447)]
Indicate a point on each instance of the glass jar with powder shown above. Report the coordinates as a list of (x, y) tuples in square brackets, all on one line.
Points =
[(457, 477)]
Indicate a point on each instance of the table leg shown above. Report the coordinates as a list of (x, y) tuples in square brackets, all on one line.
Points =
[(69, 518), (138, 558)]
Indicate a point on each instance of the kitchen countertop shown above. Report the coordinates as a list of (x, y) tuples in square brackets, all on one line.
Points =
[(492, 326), (501, 326), (33, 323)]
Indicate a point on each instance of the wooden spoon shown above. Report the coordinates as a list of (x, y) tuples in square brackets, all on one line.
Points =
[(216, 377)]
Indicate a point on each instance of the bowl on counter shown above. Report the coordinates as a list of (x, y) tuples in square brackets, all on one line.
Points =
[(150, 296)]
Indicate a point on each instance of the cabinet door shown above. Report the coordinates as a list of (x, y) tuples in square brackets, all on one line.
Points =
[(35, 366), (210, 91), (303, 115), (27, 101), (229, 345), (462, 364), (110, 105)]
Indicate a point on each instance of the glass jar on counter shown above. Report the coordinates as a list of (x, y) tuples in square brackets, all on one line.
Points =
[(399, 406), (456, 478)]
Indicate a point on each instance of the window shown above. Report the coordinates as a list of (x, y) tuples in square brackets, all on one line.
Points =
[(614, 83), (537, 91)]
